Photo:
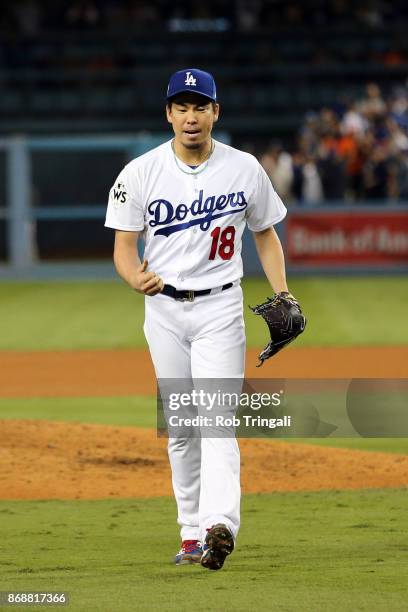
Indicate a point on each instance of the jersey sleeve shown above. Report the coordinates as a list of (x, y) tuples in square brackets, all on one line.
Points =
[(265, 207), (125, 209)]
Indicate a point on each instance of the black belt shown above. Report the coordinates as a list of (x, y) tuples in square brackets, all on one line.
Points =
[(189, 296)]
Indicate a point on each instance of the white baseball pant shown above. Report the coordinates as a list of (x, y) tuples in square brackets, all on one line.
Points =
[(203, 339)]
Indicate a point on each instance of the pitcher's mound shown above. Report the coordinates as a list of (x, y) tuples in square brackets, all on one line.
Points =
[(56, 460)]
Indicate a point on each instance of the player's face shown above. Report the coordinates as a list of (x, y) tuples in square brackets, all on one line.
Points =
[(192, 118)]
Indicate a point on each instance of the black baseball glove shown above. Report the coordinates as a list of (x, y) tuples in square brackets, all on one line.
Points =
[(285, 321)]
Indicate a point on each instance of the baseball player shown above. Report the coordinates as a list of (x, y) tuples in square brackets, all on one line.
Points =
[(190, 199)]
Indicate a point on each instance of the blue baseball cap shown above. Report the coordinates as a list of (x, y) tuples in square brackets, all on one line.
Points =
[(194, 80)]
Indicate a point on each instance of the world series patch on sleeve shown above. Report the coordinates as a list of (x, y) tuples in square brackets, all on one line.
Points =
[(285, 321)]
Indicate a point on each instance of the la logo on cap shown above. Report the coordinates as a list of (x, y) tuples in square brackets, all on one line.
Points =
[(190, 80)]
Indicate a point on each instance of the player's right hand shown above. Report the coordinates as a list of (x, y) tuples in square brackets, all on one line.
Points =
[(147, 283)]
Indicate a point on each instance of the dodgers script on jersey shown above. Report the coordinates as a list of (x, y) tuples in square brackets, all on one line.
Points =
[(192, 221)]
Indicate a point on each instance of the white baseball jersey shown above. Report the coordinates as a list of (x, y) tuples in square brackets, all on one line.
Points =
[(193, 220)]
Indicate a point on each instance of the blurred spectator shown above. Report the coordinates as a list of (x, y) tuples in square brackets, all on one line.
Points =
[(375, 174), (247, 14), (293, 13), (312, 189), (306, 185), (399, 173), (278, 166), (28, 15), (372, 106), (359, 155), (370, 13), (353, 122), (398, 107), (398, 139), (332, 172), (83, 14), (393, 57)]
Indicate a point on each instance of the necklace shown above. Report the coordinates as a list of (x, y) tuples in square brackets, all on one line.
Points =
[(202, 166)]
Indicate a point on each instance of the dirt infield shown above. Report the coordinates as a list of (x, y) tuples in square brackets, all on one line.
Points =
[(128, 372), (49, 460)]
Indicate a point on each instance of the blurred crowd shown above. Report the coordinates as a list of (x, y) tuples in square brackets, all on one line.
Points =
[(32, 17), (359, 151), (371, 31), (355, 151)]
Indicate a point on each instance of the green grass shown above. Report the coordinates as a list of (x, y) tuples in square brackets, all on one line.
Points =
[(70, 315), (139, 411), (384, 445), (106, 314), (296, 551), (340, 311)]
